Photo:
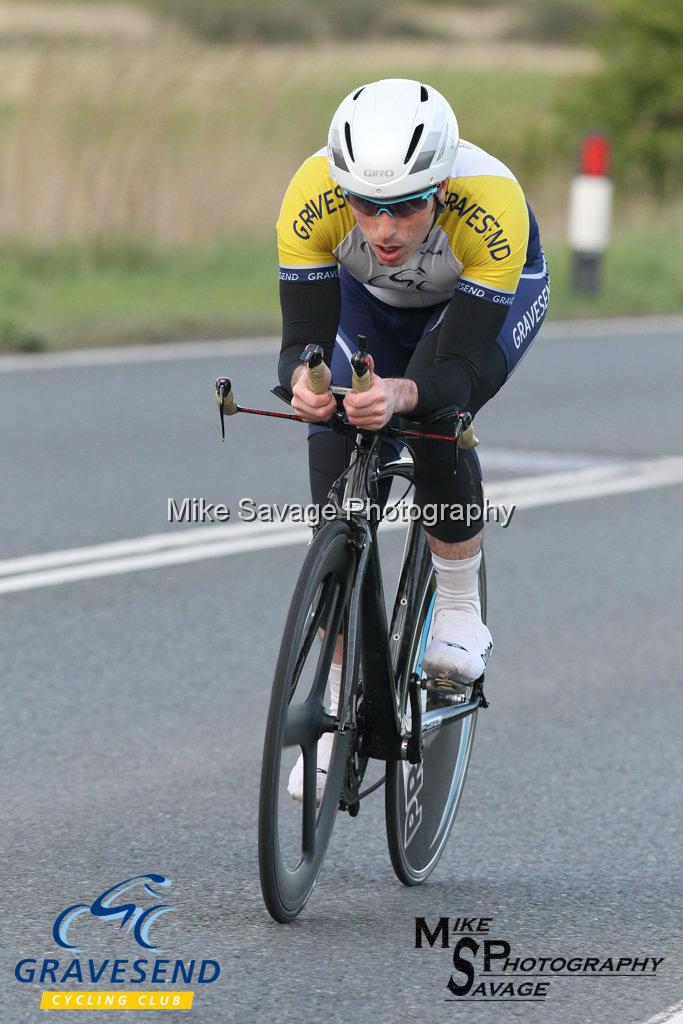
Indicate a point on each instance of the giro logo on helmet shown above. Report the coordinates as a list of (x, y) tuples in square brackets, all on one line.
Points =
[(378, 174)]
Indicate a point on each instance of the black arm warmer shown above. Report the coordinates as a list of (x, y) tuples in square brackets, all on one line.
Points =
[(310, 314), (466, 333)]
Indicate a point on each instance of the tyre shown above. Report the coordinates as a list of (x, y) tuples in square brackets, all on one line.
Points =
[(293, 836), (421, 800)]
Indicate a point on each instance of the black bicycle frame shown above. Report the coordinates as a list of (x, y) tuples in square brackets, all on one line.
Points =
[(383, 738), (383, 659)]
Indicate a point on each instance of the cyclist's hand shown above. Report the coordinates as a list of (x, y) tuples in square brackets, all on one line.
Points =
[(311, 407), (372, 409)]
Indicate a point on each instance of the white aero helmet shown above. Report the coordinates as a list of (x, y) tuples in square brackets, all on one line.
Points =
[(392, 138)]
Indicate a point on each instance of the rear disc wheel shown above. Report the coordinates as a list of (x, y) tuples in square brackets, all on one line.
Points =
[(421, 801)]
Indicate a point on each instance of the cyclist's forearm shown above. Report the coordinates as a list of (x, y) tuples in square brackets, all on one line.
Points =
[(467, 331), (310, 314), (404, 394)]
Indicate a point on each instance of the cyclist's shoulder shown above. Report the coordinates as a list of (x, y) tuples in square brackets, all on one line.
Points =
[(313, 184), (477, 171), (314, 171), (314, 203), (483, 202)]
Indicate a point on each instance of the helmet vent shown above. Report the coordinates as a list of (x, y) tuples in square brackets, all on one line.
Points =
[(414, 141), (347, 136), (357, 94), (424, 95)]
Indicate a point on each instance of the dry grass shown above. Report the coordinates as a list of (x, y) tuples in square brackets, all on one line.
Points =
[(39, 19), (184, 144), (141, 171)]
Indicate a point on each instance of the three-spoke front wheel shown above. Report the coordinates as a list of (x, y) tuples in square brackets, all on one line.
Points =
[(294, 834)]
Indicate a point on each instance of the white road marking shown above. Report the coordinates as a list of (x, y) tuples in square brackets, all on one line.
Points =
[(212, 541), (674, 1015), (274, 538), (535, 460), (149, 544), (182, 350), (596, 482)]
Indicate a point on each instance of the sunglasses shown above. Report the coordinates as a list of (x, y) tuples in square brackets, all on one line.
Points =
[(405, 207)]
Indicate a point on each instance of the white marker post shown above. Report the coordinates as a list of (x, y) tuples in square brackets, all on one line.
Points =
[(590, 211)]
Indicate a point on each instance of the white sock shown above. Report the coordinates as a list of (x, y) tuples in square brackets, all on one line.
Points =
[(334, 678), (457, 583)]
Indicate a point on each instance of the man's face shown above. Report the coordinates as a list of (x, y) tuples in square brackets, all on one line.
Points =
[(395, 239)]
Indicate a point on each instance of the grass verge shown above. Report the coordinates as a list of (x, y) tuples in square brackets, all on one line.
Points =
[(185, 145), (116, 293)]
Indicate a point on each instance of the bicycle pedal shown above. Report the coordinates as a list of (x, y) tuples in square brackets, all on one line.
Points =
[(447, 689)]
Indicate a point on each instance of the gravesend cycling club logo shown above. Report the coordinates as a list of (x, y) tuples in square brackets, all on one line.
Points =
[(134, 906), (107, 908), (489, 969)]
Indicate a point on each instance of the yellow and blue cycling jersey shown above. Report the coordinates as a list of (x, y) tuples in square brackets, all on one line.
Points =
[(479, 244)]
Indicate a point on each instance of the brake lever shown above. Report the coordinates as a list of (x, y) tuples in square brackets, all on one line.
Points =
[(464, 436), (227, 406)]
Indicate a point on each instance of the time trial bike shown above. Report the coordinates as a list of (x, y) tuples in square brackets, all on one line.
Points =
[(388, 709)]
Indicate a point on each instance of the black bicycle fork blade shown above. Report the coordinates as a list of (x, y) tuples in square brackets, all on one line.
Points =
[(415, 744)]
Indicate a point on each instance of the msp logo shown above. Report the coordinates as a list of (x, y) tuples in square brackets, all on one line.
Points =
[(488, 969), (106, 908)]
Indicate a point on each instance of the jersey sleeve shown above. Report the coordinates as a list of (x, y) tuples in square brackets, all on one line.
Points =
[(314, 218), (488, 225)]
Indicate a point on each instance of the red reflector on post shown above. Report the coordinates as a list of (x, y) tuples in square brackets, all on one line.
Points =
[(595, 155)]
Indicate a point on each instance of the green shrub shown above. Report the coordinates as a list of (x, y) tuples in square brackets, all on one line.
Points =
[(558, 21), (638, 95), (17, 336)]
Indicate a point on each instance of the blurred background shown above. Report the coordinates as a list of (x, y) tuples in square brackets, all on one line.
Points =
[(145, 145)]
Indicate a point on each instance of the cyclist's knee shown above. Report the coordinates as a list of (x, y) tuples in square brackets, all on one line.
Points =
[(328, 457), (452, 505)]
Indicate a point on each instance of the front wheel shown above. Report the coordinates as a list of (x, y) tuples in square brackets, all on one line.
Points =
[(421, 800), (293, 835)]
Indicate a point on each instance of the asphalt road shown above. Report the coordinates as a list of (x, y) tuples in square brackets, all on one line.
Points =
[(134, 704)]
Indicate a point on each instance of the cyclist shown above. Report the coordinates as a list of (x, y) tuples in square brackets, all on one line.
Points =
[(423, 243)]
